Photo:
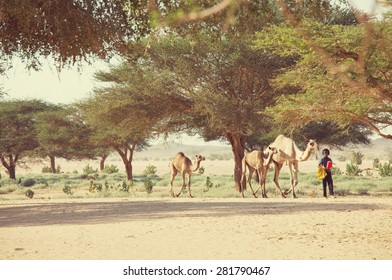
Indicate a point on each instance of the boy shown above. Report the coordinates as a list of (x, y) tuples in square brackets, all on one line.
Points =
[(326, 162)]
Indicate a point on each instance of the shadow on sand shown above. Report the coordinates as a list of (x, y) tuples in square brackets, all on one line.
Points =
[(66, 213)]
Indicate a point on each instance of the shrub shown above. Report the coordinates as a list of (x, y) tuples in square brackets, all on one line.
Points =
[(125, 187), (376, 163), (28, 182), (29, 193), (67, 190), (385, 170), (148, 185), (150, 170), (352, 170), (46, 169), (201, 170), (110, 169), (356, 158), (336, 171), (89, 170)]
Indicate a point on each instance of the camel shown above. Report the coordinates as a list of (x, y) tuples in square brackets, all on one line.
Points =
[(258, 161), (182, 164), (288, 152)]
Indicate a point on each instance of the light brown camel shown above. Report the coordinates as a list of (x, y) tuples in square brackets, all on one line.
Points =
[(258, 161), (182, 164), (288, 152)]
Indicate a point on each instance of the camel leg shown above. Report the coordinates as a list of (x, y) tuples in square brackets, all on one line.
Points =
[(242, 178), (189, 185), (251, 171), (293, 177), (183, 183), (173, 175), (262, 176), (278, 167)]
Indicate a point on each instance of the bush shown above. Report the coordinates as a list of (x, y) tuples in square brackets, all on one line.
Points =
[(356, 158), (47, 169), (336, 171), (110, 169), (201, 170), (67, 190), (353, 170), (148, 185), (29, 193), (150, 170), (385, 170), (376, 163), (89, 170), (28, 183)]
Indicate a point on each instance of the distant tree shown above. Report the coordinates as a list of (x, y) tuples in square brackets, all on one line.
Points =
[(113, 125), (62, 134), (18, 137)]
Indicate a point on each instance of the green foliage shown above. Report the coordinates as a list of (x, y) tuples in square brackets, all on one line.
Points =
[(109, 169), (95, 187), (321, 52), (67, 189), (209, 185), (18, 139), (201, 170), (356, 157), (47, 169), (376, 163), (150, 170), (385, 169), (94, 29), (353, 169), (336, 170), (29, 193), (148, 185), (28, 182), (89, 169)]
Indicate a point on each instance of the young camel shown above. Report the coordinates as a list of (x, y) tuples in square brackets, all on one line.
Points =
[(289, 152), (182, 164), (258, 161)]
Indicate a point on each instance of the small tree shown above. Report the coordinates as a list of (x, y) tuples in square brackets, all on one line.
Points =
[(18, 139), (356, 158)]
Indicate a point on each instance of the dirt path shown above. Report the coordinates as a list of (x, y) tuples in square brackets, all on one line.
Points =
[(342, 228)]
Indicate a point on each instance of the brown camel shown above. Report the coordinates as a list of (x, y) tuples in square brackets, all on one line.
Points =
[(258, 161), (289, 152), (182, 164)]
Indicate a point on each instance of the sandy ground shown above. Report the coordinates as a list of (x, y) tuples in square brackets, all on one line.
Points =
[(340, 228)]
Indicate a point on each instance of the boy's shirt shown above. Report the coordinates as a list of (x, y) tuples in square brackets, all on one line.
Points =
[(324, 162)]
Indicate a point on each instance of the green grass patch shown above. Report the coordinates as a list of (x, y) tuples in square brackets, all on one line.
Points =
[(72, 185)]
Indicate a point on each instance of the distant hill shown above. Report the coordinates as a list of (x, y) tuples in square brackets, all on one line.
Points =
[(380, 148), (167, 150)]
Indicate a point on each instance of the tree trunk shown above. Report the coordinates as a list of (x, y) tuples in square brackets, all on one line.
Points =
[(52, 164), (126, 153), (237, 142), (102, 162), (11, 167)]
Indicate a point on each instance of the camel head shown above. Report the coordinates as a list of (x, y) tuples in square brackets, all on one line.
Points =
[(269, 152), (310, 147), (198, 159)]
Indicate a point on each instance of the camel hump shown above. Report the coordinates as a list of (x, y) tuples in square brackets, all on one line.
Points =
[(181, 154)]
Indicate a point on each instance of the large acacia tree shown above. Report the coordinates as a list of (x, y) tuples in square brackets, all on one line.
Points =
[(342, 74)]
